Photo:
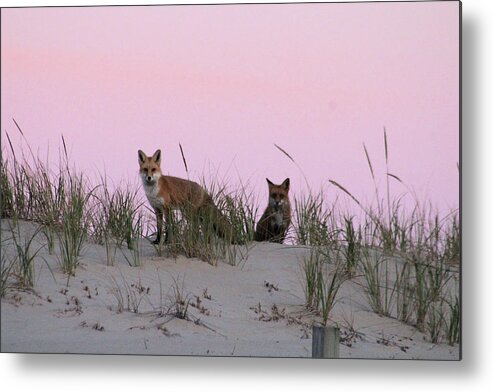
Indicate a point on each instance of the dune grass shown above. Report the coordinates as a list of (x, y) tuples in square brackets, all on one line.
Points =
[(405, 255), (416, 259), (21, 264), (117, 218), (314, 220), (324, 273), (71, 211), (7, 264), (75, 224)]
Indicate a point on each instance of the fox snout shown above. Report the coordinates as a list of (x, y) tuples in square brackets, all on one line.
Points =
[(277, 203), (149, 179)]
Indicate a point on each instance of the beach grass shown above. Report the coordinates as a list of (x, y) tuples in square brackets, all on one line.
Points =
[(406, 255)]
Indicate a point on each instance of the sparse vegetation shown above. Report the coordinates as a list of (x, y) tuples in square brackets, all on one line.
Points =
[(404, 254), (180, 301), (25, 254), (7, 264), (128, 296), (324, 276), (117, 218), (313, 221), (71, 212), (406, 262), (75, 224)]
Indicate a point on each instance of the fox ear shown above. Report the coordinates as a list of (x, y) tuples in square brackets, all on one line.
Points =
[(285, 184), (142, 157), (157, 156), (269, 182)]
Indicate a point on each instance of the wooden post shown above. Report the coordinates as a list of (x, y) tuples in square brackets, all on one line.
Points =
[(325, 342)]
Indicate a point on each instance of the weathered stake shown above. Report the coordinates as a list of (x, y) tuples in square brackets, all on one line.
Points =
[(325, 342)]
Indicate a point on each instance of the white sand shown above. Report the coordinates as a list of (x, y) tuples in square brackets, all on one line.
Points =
[(84, 317)]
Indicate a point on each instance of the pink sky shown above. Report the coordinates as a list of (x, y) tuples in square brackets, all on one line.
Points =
[(227, 82)]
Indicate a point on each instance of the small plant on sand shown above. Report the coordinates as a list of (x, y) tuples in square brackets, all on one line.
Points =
[(423, 292), (311, 270), (6, 191), (16, 188), (451, 252), (352, 251), (74, 228), (180, 301), (137, 232), (405, 298), (239, 209), (7, 264), (116, 211), (435, 321), (116, 219), (379, 289), (24, 254), (47, 192), (313, 221), (102, 235), (124, 221), (328, 285), (453, 322), (129, 296), (324, 276)]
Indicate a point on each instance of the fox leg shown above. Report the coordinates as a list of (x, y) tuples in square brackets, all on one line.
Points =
[(278, 235), (261, 231), (279, 238), (167, 224), (159, 222), (259, 235), (282, 235)]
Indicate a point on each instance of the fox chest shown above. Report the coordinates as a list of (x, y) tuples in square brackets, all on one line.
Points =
[(276, 221), (156, 201)]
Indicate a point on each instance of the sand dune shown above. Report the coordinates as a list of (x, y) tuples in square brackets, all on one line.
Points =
[(252, 309)]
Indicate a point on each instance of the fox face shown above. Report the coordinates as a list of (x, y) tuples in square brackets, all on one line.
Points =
[(278, 194), (150, 167), (275, 221)]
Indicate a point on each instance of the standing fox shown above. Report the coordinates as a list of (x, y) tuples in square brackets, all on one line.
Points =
[(274, 223), (166, 193)]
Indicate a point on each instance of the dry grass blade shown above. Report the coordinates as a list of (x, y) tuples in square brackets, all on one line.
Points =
[(335, 183), (285, 153), (298, 166), (369, 162), (64, 147), (18, 127), (385, 143), (183, 157), (22, 133), (395, 177), (11, 147)]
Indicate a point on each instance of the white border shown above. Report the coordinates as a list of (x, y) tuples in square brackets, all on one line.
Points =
[(474, 373)]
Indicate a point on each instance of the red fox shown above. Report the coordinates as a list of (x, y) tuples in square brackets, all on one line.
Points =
[(166, 193), (274, 223)]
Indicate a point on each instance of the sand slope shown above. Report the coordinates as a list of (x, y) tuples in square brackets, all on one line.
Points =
[(252, 309)]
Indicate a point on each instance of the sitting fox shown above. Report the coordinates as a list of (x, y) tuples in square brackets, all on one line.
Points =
[(274, 223), (166, 193)]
